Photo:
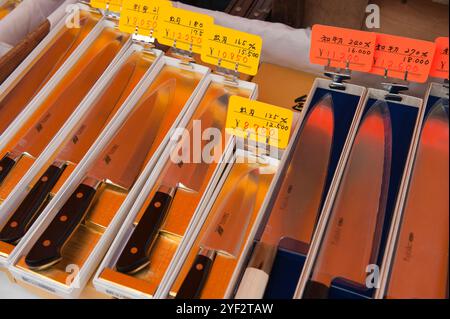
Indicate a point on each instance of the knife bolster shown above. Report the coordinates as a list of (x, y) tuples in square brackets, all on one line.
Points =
[(167, 190), (6, 165), (263, 257), (208, 253)]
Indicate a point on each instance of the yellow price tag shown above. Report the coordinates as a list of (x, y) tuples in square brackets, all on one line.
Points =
[(142, 16), (111, 5), (232, 49), (259, 121), (183, 29)]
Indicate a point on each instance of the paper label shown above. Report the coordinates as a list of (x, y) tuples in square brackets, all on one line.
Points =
[(111, 5), (259, 121), (439, 68), (183, 29), (232, 49), (401, 58), (142, 17), (342, 48)]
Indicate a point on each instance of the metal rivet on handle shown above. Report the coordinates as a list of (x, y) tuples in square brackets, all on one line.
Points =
[(199, 267)]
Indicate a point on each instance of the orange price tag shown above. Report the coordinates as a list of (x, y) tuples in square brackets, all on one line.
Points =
[(403, 58), (341, 48), (439, 68)]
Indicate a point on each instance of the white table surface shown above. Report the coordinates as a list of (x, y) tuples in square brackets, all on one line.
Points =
[(9, 290)]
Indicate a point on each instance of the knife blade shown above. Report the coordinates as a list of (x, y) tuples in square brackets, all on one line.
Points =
[(41, 133), (42, 70), (351, 240), (119, 164), (189, 176), (15, 56), (225, 234), (89, 128), (297, 205), (420, 267)]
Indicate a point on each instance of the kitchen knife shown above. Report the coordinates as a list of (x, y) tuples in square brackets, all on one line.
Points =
[(190, 176), (297, 205), (74, 150), (12, 59), (420, 267), (119, 164), (40, 134), (41, 70), (351, 240), (225, 234)]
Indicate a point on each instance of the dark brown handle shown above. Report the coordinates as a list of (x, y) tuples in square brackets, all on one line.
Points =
[(11, 60), (6, 165), (315, 290), (31, 206), (193, 284), (47, 249), (135, 255)]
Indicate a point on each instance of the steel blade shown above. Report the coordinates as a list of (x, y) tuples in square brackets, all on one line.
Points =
[(227, 230), (297, 206), (353, 232), (420, 267), (124, 157), (191, 174), (38, 136), (42, 69), (98, 116)]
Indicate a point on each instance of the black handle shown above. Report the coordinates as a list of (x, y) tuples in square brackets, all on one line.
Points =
[(315, 290), (193, 284), (135, 255), (47, 249), (6, 165), (32, 205)]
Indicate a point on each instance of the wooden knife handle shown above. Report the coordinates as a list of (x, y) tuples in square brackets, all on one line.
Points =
[(31, 206), (135, 255), (253, 284), (315, 290), (6, 165), (12, 59), (256, 277), (193, 284), (47, 249)]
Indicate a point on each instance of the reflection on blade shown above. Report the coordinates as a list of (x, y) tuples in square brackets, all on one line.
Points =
[(232, 217), (43, 69), (225, 233), (420, 268), (45, 129), (298, 202), (297, 206), (98, 116), (123, 159), (64, 99), (191, 174), (352, 237)]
